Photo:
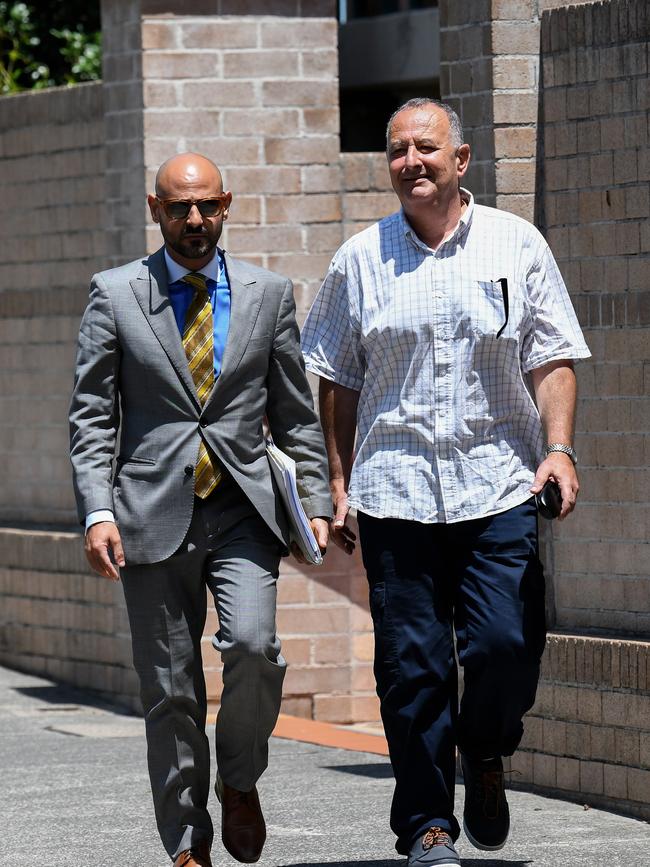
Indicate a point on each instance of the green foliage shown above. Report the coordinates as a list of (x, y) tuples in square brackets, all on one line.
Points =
[(83, 51), (18, 67), (35, 54)]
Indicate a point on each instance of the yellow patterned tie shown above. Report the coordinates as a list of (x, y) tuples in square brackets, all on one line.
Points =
[(198, 342)]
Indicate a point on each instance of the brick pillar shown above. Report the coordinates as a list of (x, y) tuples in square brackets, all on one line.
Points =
[(515, 70), (125, 179), (258, 94), (489, 72), (466, 84)]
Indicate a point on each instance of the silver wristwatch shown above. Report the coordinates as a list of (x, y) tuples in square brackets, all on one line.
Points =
[(561, 447)]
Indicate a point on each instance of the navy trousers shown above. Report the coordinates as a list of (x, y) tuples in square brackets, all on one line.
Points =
[(483, 580)]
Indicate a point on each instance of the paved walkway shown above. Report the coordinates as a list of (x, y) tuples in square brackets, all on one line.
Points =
[(75, 792)]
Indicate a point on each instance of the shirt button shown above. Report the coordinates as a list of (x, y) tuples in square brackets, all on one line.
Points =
[(203, 423), (189, 470)]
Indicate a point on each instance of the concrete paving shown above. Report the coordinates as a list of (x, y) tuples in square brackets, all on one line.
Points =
[(75, 794)]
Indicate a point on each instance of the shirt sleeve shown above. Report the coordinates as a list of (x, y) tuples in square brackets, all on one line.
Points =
[(331, 337), (555, 333), (98, 516)]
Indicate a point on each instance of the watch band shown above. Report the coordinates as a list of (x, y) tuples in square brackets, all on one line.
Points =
[(565, 449)]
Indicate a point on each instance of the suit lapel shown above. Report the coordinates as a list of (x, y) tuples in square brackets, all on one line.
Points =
[(245, 301), (152, 293)]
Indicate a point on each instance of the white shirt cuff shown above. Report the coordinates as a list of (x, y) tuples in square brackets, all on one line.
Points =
[(97, 516)]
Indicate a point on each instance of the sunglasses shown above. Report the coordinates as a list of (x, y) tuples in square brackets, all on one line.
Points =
[(178, 209)]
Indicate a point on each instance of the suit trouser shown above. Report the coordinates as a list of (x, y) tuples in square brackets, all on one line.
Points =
[(230, 550), (482, 578)]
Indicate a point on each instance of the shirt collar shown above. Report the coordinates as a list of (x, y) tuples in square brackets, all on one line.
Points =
[(176, 272), (462, 226)]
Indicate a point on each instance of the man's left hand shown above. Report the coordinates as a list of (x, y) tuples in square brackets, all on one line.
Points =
[(559, 467), (321, 530)]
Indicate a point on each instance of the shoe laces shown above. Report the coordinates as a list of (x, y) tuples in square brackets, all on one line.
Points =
[(435, 836), (491, 791), (195, 854), (237, 799)]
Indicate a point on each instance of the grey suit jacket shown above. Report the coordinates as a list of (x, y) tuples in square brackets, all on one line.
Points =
[(132, 376)]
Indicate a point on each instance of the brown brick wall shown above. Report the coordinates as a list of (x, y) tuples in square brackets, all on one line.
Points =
[(259, 95), (515, 47), (367, 193), (59, 621)]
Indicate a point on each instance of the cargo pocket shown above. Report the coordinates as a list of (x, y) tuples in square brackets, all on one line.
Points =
[(386, 656)]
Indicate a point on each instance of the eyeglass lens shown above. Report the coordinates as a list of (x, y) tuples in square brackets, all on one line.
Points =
[(207, 208)]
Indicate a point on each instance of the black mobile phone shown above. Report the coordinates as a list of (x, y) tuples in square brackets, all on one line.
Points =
[(549, 500)]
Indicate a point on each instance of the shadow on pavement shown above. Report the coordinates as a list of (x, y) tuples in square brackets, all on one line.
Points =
[(493, 862), (467, 862), (374, 770), (60, 694), (393, 862)]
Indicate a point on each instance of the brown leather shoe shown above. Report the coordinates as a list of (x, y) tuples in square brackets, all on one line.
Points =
[(242, 824), (197, 856)]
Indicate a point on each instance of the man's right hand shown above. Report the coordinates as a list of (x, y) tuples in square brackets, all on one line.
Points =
[(340, 533), (102, 539)]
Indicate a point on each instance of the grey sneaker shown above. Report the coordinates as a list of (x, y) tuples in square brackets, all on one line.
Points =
[(435, 848)]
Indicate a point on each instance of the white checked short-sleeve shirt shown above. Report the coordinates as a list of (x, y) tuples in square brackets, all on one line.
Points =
[(438, 344)]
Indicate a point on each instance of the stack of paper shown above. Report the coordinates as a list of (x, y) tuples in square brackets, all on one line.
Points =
[(284, 471)]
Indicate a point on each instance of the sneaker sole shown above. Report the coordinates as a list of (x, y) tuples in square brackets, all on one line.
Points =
[(475, 843), (447, 863)]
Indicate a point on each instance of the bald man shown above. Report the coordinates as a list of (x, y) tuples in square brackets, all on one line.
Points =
[(185, 352)]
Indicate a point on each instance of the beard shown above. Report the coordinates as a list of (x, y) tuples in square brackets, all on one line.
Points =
[(196, 246)]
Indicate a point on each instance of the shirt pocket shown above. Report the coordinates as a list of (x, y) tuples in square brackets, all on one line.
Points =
[(491, 311)]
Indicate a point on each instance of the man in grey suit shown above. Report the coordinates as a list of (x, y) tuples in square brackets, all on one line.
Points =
[(186, 352)]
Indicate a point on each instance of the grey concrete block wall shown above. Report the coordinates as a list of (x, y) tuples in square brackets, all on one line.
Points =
[(53, 229), (594, 209), (123, 130), (466, 83)]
